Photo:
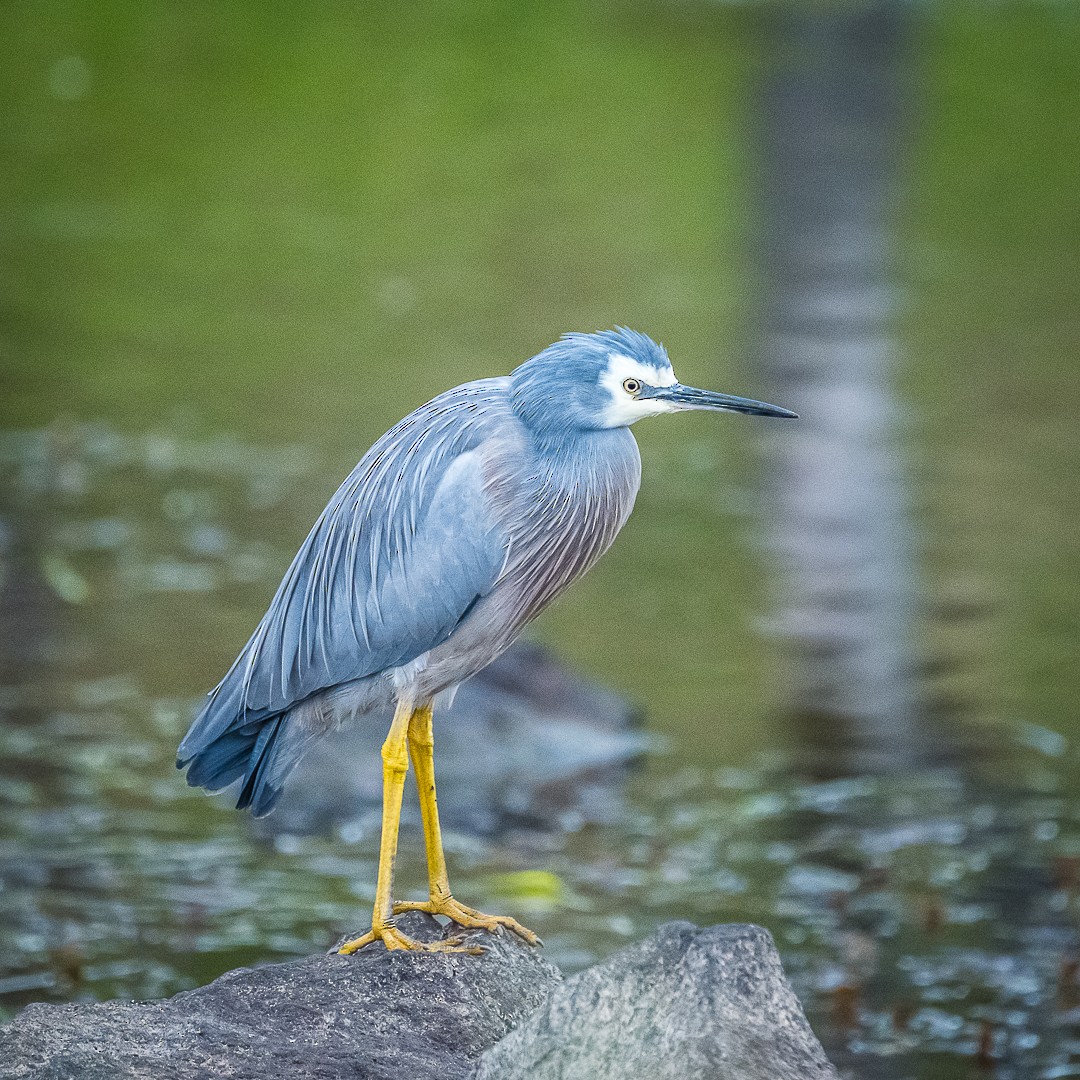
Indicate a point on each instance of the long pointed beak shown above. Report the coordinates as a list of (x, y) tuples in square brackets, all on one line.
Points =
[(689, 397)]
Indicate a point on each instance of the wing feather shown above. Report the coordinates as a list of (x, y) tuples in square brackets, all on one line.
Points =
[(401, 553)]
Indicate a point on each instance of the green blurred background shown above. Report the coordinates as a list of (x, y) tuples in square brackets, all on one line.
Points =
[(238, 241)]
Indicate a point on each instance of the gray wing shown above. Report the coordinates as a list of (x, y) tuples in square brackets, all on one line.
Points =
[(400, 555)]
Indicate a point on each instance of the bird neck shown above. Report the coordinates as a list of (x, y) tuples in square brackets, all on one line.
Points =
[(585, 457), (567, 442)]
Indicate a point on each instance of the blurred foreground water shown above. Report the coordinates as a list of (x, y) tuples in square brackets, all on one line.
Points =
[(853, 640), (921, 911)]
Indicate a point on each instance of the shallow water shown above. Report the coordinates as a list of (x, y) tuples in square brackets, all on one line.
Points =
[(853, 641), (920, 912)]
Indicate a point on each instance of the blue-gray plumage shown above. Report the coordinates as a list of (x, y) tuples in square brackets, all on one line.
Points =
[(456, 529)]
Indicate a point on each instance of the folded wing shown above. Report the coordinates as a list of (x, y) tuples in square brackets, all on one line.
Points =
[(402, 552)]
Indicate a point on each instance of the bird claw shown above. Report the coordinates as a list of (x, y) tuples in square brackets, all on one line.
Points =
[(395, 940), (468, 917)]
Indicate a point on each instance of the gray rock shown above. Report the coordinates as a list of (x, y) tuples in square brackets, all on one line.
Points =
[(372, 1016), (552, 742), (684, 1004)]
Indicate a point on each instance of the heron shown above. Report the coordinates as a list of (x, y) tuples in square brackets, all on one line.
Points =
[(455, 530)]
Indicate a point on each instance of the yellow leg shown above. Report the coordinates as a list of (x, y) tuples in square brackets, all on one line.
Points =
[(395, 766), (421, 750)]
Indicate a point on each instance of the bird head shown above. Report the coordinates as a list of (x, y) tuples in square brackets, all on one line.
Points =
[(611, 379)]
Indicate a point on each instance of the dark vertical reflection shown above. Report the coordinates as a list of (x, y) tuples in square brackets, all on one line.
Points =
[(830, 132)]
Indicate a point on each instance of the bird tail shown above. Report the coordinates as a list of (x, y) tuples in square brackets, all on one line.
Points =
[(261, 751)]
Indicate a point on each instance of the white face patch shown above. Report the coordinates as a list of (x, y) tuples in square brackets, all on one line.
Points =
[(624, 408)]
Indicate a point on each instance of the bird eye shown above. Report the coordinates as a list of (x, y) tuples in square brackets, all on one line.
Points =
[(631, 386)]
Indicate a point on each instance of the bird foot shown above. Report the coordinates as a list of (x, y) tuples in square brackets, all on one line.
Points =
[(395, 940), (467, 916)]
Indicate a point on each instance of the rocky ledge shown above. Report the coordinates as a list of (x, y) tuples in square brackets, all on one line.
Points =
[(685, 1003)]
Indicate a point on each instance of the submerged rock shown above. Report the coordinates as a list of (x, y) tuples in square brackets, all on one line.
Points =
[(694, 1004), (551, 741)]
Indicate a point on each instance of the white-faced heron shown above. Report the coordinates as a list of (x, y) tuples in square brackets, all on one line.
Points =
[(459, 526)]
